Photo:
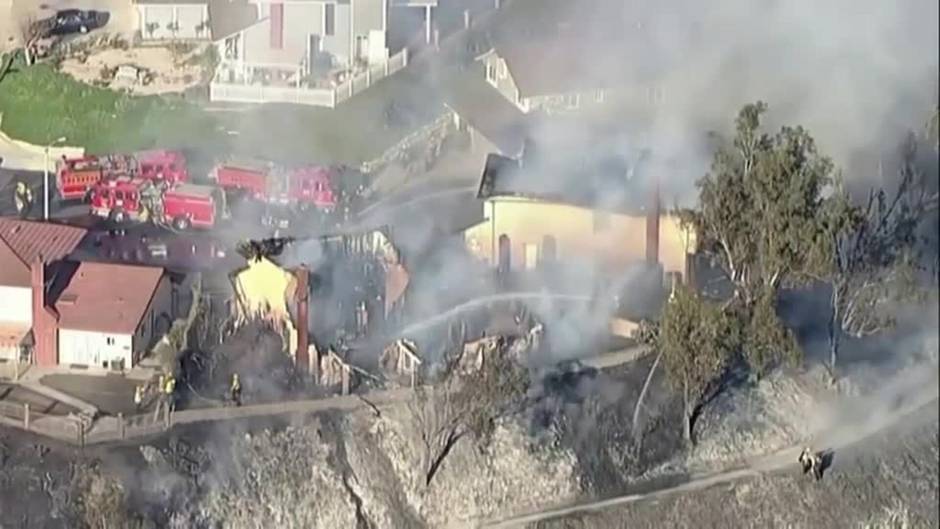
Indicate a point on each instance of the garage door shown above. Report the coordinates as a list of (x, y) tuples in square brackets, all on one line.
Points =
[(78, 349)]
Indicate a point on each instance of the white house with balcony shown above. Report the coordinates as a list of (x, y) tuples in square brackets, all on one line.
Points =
[(314, 52)]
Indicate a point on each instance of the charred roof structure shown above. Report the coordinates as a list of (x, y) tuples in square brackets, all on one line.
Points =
[(608, 179)]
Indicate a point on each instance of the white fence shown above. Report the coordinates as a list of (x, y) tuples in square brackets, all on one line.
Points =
[(322, 97)]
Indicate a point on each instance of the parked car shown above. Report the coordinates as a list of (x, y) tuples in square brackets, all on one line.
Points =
[(69, 21)]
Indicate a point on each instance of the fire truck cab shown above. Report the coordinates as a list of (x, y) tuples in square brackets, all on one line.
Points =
[(137, 199), (267, 182), (123, 198), (77, 176)]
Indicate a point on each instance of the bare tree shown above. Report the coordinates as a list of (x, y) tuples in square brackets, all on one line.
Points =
[(173, 28), (29, 32), (875, 253), (151, 28), (463, 404)]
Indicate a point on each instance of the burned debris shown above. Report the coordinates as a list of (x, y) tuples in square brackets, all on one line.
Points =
[(253, 250)]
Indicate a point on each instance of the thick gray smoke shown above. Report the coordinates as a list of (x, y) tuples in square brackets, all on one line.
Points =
[(856, 73)]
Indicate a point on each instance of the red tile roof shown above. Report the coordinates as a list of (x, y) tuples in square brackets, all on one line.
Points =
[(104, 297), (25, 240), (13, 271)]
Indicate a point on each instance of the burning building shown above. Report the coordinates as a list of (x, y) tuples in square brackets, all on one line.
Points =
[(341, 290), (263, 291), (603, 211)]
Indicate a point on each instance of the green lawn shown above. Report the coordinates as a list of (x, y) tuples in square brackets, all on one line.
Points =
[(39, 104)]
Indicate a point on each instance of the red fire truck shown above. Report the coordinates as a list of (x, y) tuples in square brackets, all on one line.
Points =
[(75, 177), (182, 205), (267, 182)]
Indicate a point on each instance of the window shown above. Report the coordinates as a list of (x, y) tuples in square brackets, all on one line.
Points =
[(362, 46), (109, 340), (329, 20), (231, 47), (491, 73), (600, 96), (572, 100)]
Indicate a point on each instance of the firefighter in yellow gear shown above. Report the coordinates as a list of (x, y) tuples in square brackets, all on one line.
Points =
[(22, 198), (236, 390), (169, 387)]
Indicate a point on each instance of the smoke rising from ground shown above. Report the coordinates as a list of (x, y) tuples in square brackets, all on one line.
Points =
[(857, 74)]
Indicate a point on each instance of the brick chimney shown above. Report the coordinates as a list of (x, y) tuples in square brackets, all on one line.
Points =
[(652, 225), (301, 357), (45, 324)]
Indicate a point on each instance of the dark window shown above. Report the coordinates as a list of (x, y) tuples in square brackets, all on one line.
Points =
[(329, 19)]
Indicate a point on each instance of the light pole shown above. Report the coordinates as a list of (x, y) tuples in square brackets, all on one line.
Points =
[(45, 179)]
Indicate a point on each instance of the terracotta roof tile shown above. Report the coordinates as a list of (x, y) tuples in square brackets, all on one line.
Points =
[(106, 297)]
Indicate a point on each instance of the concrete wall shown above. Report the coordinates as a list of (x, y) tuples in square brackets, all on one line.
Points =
[(16, 305), (187, 16), (92, 348), (578, 234)]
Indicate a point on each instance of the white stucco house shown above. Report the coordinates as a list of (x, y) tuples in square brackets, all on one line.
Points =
[(313, 52), (57, 311), (111, 314)]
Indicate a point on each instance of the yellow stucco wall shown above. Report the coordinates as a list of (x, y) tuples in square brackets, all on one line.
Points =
[(621, 243)]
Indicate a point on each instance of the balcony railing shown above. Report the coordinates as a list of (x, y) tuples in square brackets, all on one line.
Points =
[(234, 83)]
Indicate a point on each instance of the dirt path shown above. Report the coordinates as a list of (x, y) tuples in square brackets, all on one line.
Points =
[(869, 423)]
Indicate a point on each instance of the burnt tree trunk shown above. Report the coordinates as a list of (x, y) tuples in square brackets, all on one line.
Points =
[(834, 330), (639, 401), (688, 415), (436, 460)]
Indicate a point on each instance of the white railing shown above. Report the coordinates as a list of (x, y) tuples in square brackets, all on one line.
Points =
[(242, 93), (235, 92)]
